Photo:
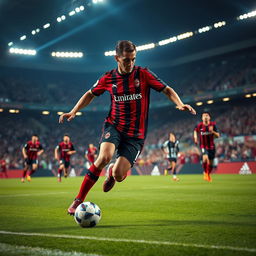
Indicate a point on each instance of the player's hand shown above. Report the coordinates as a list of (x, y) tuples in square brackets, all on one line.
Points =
[(69, 116), (210, 129), (186, 107)]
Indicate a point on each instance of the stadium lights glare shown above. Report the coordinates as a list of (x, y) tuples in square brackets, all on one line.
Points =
[(78, 113), (200, 103), (168, 41), (59, 19), (33, 32), (185, 35), (72, 13), (226, 99), (204, 29), (10, 43), (45, 112), (248, 96), (254, 94), (247, 15), (23, 37), (210, 101), (219, 24), (47, 25), (77, 9), (110, 53), (1, 110), (81, 8), (37, 30), (14, 111), (60, 113), (67, 54), (145, 47), (22, 51), (97, 1)]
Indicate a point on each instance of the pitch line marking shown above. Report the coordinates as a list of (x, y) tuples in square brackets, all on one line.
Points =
[(39, 194), (219, 247), (37, 251)]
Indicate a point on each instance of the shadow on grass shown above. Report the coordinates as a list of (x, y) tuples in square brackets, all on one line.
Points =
[(158, 223)]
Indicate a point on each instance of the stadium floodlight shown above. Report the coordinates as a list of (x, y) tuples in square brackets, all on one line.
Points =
[(14, 111), (81, 8), (59, 19), (1, 110), (200, 103), (77, 9), (10, 43), (37, 30), (45, 112), (219, 24), (168, 41), (63, 17), (247, 15), (79, 113), (110, 53), (185, 35), (67, 54), (94, 1), (60, 113), (22, 51), (204, 29), (248, 96), (210, 101), (72, 13), (254, 94), (145, 47), (226, 99), (23, 37), (33, 32), (47, 25)]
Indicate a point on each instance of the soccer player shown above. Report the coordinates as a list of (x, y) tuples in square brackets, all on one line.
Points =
[(207, 131), (3, 168), (31, 151), (171, 147), (90, 153), (62, 154), (126, 124)]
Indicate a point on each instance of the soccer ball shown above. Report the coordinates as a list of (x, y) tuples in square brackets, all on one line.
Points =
[(87, 214)]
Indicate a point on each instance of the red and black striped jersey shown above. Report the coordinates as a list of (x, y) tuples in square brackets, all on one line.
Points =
[(130, 96), (32, 149), (206, 138), (90, 153), (64, 149)]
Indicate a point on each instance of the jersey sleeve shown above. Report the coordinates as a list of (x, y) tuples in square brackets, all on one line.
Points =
[(196, 128), (99, 87), (26, 146), (154, 81), (165, 144)]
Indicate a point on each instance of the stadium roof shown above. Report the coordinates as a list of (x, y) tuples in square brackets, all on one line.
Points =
[(99, 26)]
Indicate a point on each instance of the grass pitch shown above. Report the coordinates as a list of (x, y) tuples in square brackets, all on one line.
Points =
[(192, 216)]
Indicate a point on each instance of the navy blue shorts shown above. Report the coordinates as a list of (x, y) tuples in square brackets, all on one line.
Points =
[(128, 147), (66, 163), (209, 152)]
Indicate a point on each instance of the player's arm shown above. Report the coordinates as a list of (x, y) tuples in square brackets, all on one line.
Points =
[(174, 97), (40, 152), (56, 153), (85, 100), (195, 137), (72, 152), (24, 152), (214, 131)]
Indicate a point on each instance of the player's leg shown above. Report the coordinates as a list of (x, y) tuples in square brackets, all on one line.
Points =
[(33, 170), (66, 167), (106, 153), (211, 155), (169, 168), (174, 176), (60, 169), (26, 167), (205, 166)]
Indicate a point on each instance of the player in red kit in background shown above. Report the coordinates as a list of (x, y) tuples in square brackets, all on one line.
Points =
[(91, 154), (3, 167), (207, 131), (30, 152), (62, 154), (126, 124)]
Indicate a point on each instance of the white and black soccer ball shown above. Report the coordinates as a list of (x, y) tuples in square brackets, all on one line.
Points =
[(87, 214)]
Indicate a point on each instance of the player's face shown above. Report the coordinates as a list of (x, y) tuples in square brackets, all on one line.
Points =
[(34, 139), (66, 139), (172, 137), (206, 117), (126, 62), (90, 145)]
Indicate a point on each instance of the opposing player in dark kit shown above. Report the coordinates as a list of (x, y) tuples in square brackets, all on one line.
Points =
[(31, 151), (171, 147), (62, 154), (206, 131), (125, 127)]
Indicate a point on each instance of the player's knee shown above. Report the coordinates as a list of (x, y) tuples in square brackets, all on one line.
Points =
[(104, 160), (117, 174)]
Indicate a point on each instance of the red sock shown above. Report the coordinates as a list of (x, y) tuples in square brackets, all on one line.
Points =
[(205, 167), (24, 174), (31, 172), (89, 180), (209, 168), (59, 172)]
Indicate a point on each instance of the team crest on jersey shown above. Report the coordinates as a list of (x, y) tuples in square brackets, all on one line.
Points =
[(114, 86), (137, 82), (107, 135)]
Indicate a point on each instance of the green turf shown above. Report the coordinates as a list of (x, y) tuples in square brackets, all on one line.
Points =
[(192, 211)]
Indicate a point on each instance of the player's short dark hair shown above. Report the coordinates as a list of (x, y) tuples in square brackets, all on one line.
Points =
[(35, 135), (66, 135), (206, 112), (124, 46)]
